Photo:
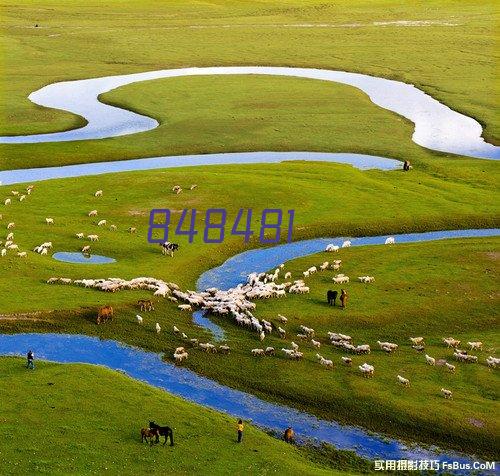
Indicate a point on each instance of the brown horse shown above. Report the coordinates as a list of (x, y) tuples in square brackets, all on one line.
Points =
[(343, 298), (289, 435), (104, 313), (146, 304), (149, 434)]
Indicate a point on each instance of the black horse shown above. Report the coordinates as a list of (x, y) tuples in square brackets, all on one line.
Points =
[(331, 296), (165, 431)]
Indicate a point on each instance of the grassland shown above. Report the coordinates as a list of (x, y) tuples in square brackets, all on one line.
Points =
[(87, 420), (456, 64), (434, 289)]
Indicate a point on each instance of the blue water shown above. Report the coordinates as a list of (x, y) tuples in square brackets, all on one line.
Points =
[(80, 258), (149, 367), (360, 161), (236, 269)]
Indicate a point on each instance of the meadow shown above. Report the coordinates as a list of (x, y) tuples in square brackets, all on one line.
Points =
[(447, 49), (88, 419)]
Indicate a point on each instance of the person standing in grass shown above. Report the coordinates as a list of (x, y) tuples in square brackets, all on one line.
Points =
[(240, 430), (31, 359)]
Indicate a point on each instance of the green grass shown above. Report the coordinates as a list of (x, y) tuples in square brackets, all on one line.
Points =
[(81, 419), (330, 200), (456, 64), (434, 289)]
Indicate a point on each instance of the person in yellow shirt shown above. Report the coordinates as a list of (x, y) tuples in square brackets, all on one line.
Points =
[(240, 430)]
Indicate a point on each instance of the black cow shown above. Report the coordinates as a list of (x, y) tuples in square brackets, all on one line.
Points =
[(169, 248), (332, 296)]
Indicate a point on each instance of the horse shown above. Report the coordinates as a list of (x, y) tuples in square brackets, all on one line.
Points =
[(331, 296), (146, 304), (289, 435), (165, 431), (149, 434), (104, 313)]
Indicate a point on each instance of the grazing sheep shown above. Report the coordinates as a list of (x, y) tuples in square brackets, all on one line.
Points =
[(10, 236), (340, 279), (430, 360), (417, 340), (193, 342), (403, 381), (418, 348), (475, 345), (184, 336), (224, 349), (492, 362), (176, 330), (22, 198), (101, 222), (288, 275), (288, 352), (92, 213), (139, 319), (282, 319), (446, 393), (3, 252), (193, 187), (113, 227), (451, 342), (269, 351), (390, 240), (367, 370), (325, 362), (295, 347), (80, 236), (346, 361), (93, 237), (332, 248), (176, 189), (185, 307), (316, 343), (282, 332), (98, 193), (366, 279), (132, 229), (86, 249), (258, 352), (262, 336), (450, 367), (387, 346), (11, 225), (22, 254), (158, 328), (179, 350), (180, 357), (302, 336), (7, 201)]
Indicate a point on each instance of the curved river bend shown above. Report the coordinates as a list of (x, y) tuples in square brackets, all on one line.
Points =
[(236, 269), (150, 368), (437, 127)]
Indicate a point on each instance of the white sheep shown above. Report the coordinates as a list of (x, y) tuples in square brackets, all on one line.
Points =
[(367, 370), (475, 345), (3, 252), (446, 393), (185, 307), (492, 362), (258, 352), (332, 248), (346, 244), (113, 227), (93, 237), (49, 221), (98, 193), (101, 222), (158, 328), (451, 342), (417, 340), (22, 254), (282, 319), (180, 357), (176, 189), (390, 240), (139, 319), (176, 330), (288, 275), (316, 343), (450, 367), (430, 360), (11, 225), (325, 362), (92, 213), (346, 360), (269, 351), (86, 249), (403, 381), (295, 347), (7, 201), (80, 236)]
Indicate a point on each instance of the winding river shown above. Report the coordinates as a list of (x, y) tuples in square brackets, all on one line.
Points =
[(437, 127), (150, 368)]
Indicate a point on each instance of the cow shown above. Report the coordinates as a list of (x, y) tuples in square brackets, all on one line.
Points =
[(104, 314), (169, 248), (331, 296)]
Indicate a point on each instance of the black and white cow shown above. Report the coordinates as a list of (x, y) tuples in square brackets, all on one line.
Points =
[(169, 248)]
